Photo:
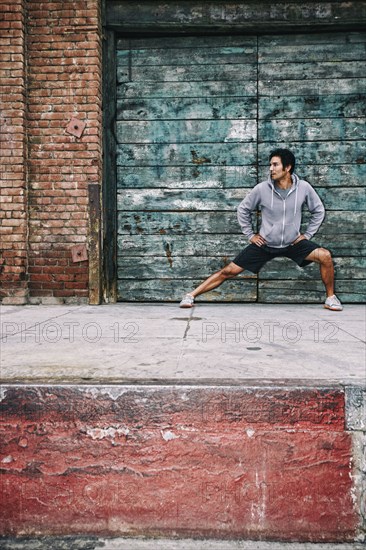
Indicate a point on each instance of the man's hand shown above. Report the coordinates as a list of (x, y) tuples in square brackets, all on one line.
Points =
[(299, 238), (258, 240)]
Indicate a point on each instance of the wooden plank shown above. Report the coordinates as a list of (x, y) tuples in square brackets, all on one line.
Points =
[(168, 267), (182, 223), (186, 177), (232, 154), (189, 131), (311, 87), (213, 16), (327, 175), (193, 54), (272, 52), (282, 70), (189, 42), (216, 108), (343, 198), (317, 39), (328, 152), (285, 269), (313, 129), (224, 199), (173, 290), (177, 223), (222, 245), (189, 267), (351, 291), (190, 89), (186, 73), (109, 224), (313, 106), (178, 199)]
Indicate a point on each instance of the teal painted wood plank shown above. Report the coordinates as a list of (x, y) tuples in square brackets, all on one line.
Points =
[(285, 269), (186, 177), (216, 108), (232, 154), (188, 42), (186, 131), (351, 291), (316, 69), (312, 87), (192, 55), (188, 89), (192, 267), (186, 73), (313, 106), (328, 152), (328, 175), (172, 291), (302, 53), (313, 129), (178, 199), (340, 221), (222, 245), (343, 198), (167, 267), (178, 223), (192, 245), (338, 40)]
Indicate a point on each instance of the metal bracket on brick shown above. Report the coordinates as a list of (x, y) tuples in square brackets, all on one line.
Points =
[(75, 127)]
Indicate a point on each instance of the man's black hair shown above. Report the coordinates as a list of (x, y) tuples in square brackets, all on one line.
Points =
[(286, 156)]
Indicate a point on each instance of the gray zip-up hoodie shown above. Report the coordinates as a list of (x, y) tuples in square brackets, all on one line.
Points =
[(281, 218)]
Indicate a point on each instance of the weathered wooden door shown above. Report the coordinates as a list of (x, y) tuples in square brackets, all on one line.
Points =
[(196, 119)]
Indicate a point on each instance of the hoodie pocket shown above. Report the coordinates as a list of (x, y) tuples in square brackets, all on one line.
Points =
[(291, 233)]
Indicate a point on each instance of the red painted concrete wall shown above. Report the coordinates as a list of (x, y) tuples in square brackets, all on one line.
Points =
[(217, 462)]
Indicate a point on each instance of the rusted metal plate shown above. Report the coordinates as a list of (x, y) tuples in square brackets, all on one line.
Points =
[(76, 127)]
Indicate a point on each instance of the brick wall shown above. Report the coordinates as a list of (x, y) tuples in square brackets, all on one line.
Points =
[(63, 70), (64, 81), (13, 226)]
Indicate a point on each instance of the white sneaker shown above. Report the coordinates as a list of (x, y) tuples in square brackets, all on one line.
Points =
[(187, 301), (333, 303)]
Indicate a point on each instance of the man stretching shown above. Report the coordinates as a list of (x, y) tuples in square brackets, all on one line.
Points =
[(280, 199)]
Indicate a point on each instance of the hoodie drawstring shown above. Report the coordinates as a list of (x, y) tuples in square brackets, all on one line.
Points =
[(297, 188), (272, 197)]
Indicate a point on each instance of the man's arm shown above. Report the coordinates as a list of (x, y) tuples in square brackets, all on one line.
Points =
[(245, 210), (317, 211)]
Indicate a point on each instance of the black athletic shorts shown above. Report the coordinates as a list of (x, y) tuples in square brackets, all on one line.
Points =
[(254, 257)]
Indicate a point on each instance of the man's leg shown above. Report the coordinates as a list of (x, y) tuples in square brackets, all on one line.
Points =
[(323, 257), (215, 280)]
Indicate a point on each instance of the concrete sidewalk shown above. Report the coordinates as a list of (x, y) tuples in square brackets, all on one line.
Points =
[(210, 343), (93, 543)]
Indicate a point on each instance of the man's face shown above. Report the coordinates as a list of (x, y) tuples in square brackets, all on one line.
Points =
[(277, 170)]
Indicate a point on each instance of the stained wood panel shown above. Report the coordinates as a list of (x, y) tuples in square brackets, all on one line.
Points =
[(312, 100), (196, 119), (186, 134)]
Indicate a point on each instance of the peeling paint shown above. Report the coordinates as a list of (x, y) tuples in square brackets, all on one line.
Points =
[(102, 433), (168, 435), (113, 392), (3, 392)]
